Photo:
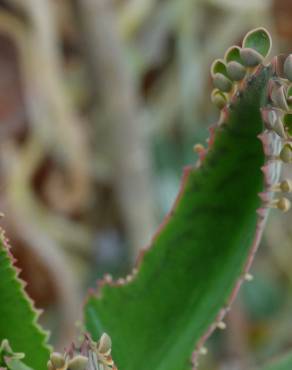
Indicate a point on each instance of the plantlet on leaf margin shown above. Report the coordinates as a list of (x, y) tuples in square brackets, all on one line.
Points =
[(220, 76), (235, 68), (88, 356), (256, 46), (276, 117)]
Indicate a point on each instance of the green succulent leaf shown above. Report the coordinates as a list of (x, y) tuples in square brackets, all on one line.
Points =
[(18, 318), (219, 66), (218, 98), (258, 40), (188, 277), (188, 274), (233, 55)]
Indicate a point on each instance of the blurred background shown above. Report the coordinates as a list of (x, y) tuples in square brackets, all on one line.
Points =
[(101, 102)]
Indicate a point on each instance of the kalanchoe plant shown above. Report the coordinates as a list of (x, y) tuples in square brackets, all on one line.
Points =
[(160, 315)]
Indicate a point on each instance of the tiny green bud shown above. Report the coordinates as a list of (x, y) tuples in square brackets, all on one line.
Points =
[(248, 277), (236, 71), (218, 66), (221, 325), (222, 83), (250, 57), (105, 344), (50, 366), (283, 204), (220, 76), (286, 186), (218, 98), (79, 362), (233, 54), (198, 148), (288, 67), (286, 153), (57, 360), (203, 350)]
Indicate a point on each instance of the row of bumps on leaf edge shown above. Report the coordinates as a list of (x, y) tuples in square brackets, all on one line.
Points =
[(228, 74)]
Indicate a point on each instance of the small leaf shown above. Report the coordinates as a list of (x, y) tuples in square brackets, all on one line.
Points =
[(218, 98), (218, 66), (233, 55), (286, 153), (259, 40), (220, 76), (255, 47), (250, 57), (236, 71), (222, 83)]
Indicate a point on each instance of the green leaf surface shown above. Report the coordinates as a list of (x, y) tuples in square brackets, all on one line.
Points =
[(187, 275), (190, 274), (219, 67), (233, 55), (18, 319), (284, 363), (259, 40)]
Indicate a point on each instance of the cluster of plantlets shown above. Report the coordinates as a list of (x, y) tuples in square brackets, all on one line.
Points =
[(238, 67), (186, 280), (89, 355)]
